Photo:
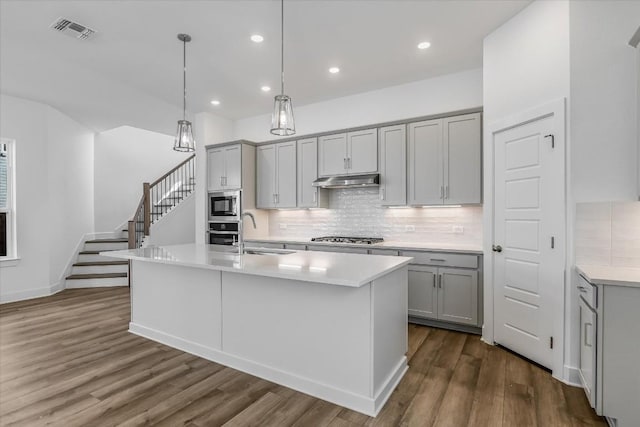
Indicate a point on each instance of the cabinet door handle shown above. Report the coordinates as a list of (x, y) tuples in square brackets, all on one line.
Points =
[(582, 289), (277, 198), (221, 181), (315, 195), (382, 194), (446, 192), (344, 163), (434, 280), (440, 280), (349, 162), (587, 342)]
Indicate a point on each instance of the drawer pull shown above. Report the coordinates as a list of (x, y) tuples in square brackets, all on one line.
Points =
[(582, 289), (438, 259)]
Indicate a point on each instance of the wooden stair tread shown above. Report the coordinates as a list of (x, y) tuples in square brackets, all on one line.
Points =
[(95, 252), (96, 276), (92, 263), (118, 240)]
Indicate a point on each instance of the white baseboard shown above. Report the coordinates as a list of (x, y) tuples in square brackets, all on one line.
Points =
[(364, 404), (571, 376), (32, 293)]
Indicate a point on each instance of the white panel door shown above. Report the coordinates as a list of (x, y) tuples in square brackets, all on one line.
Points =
[(425, 163), (215, 169), (423, 292), (307, 173), (462, 159), (529, 228), (458, 296), (362, 151), (393, 165), (266, 177), (286, 175), (332, 154), (233, 167)]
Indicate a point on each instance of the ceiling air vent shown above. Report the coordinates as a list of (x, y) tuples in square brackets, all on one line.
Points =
[(72, 29)]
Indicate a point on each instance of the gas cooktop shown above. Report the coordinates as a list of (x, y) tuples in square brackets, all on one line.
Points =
[(341, 239)]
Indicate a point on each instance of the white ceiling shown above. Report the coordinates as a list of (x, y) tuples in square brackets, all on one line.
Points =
[(131, 71)]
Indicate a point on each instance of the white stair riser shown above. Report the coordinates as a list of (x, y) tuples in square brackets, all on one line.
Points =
[(92, 258), (105, 246), (99, 269), (96, 283)]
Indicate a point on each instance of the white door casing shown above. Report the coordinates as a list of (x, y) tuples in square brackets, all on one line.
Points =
[(528, 222)]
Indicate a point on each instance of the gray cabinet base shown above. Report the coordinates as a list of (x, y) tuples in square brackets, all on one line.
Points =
[(445, 325)]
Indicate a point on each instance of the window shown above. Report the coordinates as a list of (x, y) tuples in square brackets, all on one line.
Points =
[(7, 200)]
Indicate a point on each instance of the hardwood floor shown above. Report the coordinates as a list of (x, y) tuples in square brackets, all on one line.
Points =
[(68, 360)]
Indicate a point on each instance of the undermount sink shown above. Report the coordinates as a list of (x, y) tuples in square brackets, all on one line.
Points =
[(266, 251)]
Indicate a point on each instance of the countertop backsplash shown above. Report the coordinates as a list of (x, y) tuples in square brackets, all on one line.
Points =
[(357, 212), (608, 234)]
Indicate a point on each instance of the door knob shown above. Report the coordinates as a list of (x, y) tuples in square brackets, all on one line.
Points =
[(496, 248)]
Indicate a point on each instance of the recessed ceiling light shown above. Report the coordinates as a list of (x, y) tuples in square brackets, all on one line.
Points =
[(334, 70), (265, 88), (424, 45), (215, 102), (257, 38)]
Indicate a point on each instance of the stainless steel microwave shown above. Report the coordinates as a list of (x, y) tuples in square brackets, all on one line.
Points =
[(224, 206)]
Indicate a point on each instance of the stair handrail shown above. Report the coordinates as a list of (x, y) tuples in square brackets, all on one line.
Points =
[(181, 175)]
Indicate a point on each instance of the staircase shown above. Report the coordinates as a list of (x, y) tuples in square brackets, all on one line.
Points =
[(158, 198)]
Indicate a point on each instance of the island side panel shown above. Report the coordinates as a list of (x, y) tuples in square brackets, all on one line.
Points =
[(317, 332), (389, 296), (179, 306)]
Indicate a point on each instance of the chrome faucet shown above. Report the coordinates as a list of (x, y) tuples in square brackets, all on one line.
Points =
[(240, 234)]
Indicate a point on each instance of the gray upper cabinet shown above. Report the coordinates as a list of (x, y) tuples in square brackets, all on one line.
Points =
[(332, 154), (362, 149), (462, 159), (425, 163), (445, 161), (276, 176), (348, 153), (308, 195), (392, 149), (224, 166)]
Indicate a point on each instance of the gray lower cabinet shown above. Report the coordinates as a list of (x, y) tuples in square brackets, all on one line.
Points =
[(423, 291), (445, 287), (322, 248), (446, 294)]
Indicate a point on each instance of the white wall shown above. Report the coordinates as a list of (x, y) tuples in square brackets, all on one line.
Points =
[(208, 129), (125, 158), (176, 227), (432, 96), (525, 65), (604, 100), (54, 186)]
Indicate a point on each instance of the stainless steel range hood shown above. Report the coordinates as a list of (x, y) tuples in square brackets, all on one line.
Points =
[(348, 181)]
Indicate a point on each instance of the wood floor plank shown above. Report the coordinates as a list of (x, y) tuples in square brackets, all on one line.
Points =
[(69, 360)]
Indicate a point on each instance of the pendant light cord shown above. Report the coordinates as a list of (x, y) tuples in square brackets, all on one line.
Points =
[(282, 47), (184, 79)]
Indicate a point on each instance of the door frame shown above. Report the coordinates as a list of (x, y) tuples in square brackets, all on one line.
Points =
[(557, 109)]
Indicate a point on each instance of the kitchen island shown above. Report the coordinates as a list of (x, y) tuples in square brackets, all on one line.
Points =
[(330, 325)]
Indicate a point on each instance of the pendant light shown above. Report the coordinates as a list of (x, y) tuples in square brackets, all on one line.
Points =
[(184, 135), (282, 122)]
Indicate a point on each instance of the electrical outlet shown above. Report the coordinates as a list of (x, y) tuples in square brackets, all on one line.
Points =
[(283, 226), (458, 229), (409, 228)]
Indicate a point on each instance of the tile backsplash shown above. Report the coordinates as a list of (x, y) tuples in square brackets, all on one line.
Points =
[(608, 234), (357, 212)]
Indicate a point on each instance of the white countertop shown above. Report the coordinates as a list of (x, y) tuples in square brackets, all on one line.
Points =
[(612, 276), (341, 269), (395, 245)]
